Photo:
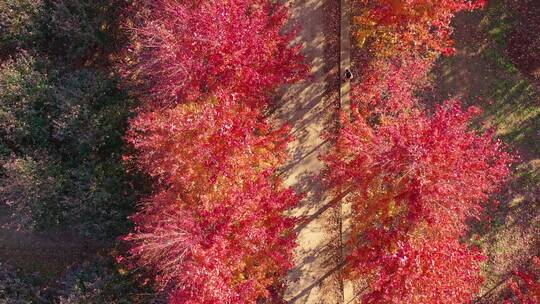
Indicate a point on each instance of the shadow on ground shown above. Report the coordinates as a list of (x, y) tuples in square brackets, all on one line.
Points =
[(309, 108)]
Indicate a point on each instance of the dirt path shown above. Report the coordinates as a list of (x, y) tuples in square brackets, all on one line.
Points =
[(310, 108), (47, 254)]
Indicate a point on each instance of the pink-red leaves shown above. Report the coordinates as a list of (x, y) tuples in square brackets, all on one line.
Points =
[(214, 231), (413, 180), (236, 49), (434, 162), (389, 86), (525, 285), (205, 147), (413, 177), (228, 252), (419, 270)]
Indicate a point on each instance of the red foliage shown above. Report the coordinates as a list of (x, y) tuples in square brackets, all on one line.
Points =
[(415, 177), (389, 86), (197, 147), (229, 251), (432, 165), (188, 50), (214, 232), (418, 270), (410, 26)]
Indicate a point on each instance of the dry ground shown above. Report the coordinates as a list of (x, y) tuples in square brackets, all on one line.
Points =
[(310, 108)]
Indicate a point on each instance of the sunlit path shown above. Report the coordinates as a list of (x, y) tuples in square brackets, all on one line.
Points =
[(310, 108)]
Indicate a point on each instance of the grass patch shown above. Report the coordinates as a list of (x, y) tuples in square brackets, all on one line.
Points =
[(498, 22)]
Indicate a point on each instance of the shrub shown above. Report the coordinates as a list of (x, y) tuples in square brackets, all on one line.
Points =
[(78, 31), (101, 280), (25, 95), (19, 24), (83, 29), (62, 134), (89, 116), (14, 288), (92, 198)]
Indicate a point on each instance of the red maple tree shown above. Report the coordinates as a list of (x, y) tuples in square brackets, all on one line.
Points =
[(215, 231), (415, 177), (188, 50), (419, 268), (226, 251), (197, 147)]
